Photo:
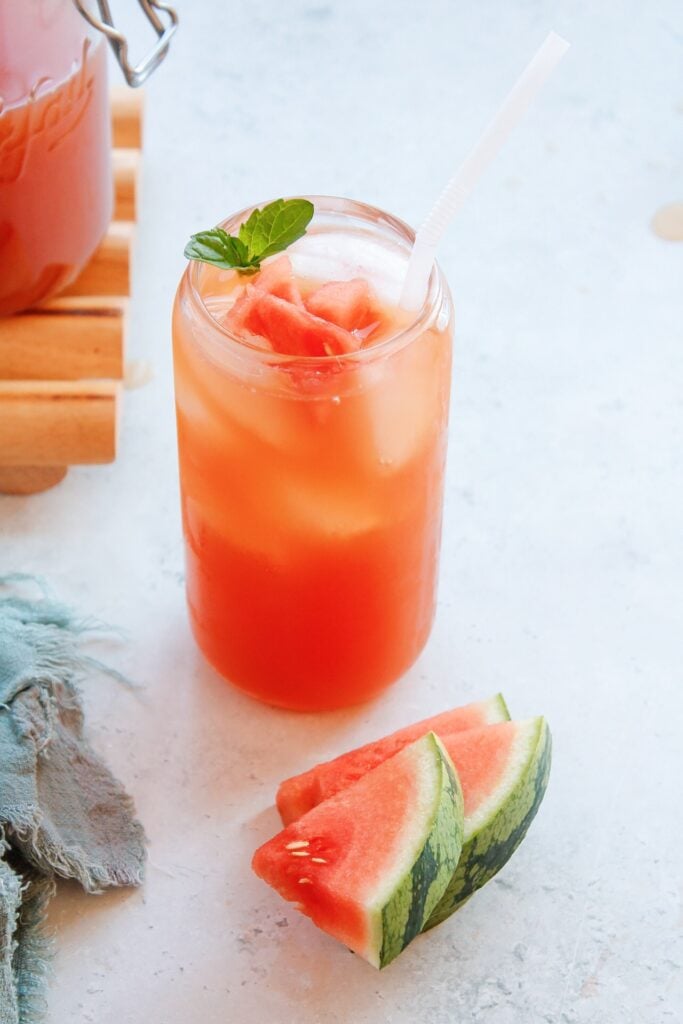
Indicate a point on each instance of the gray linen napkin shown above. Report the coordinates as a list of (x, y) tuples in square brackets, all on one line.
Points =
[(62, 813), (24, 946)]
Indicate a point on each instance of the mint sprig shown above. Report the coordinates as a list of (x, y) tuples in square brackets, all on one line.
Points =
[(266, 232)]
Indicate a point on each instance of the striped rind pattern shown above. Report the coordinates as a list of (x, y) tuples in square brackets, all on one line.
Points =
[(420, 890)]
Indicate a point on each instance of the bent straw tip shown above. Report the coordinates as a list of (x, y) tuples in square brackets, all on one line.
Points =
[(422, 257), (555, 39)]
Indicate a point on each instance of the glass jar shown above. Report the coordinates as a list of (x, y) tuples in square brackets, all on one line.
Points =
[(56, 188), (55, 162), (312, 487)]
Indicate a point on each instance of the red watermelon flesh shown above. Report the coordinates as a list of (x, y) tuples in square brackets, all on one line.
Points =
[(481, 757), (236, 317), (347, 304), (300, 793), (277, 278), (270, 309), (294, 331)]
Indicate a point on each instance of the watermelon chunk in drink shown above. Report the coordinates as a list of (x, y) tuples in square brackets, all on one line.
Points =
[(295, 331), (349, 304), (270, 307)]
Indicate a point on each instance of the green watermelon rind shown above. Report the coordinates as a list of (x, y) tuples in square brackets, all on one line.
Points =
[(404, 915), (498, 709), (486, 851)]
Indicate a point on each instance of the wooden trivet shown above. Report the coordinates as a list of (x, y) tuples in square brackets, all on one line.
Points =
[(62, 363)]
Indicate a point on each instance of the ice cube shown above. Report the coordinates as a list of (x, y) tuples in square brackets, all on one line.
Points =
[(407, 399), (327, 508)]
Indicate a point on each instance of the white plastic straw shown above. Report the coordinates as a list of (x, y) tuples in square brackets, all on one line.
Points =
[(463, 181)]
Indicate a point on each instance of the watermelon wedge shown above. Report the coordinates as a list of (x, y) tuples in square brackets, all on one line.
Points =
[(504, 773), (370, 864), (299, 794), (503, 768)]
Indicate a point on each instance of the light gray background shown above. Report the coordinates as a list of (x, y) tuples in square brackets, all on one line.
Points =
[(562, 556)]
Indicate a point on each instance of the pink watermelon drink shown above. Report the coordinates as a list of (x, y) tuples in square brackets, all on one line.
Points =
[(312, 419), (55, 152)]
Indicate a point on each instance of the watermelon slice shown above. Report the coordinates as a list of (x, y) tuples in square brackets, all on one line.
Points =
[(299, 794), (503, 768), (370, 864), (504, 773), (347, 304)]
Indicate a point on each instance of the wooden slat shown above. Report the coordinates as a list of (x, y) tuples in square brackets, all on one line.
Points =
[(76, 338), (127, 117), (126, 176), (29, 479), (58, 423), (61, 363), (108, 272)]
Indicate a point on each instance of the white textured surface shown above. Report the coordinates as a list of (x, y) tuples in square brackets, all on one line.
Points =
[(562, 561)]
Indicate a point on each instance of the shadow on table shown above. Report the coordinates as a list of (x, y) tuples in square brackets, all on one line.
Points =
[(224, 745)]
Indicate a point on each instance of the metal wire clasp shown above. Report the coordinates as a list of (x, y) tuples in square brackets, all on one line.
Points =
[(134, 74)]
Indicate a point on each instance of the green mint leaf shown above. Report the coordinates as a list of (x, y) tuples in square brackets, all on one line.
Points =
[(218, 248), (280, 224), (252, 231), (264, 233)]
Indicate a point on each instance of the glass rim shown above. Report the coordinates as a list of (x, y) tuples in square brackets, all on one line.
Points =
[(436, 290)]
